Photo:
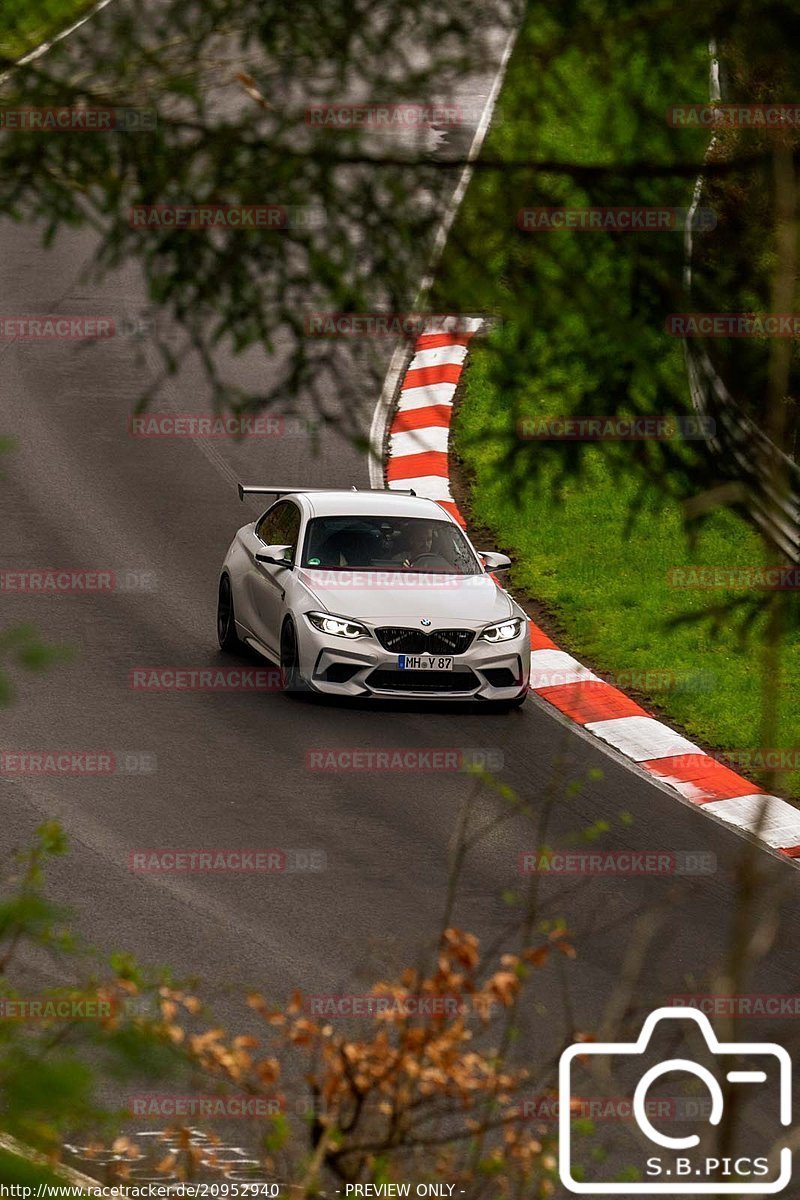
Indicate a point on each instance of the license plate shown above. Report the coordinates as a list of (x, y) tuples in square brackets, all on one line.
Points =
[(424, 662)]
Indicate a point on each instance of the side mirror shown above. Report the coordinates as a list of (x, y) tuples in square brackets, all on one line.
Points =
[(493, 561), (277, 556)]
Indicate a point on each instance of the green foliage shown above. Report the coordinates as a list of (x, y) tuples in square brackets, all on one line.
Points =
[(22, 645), (608, 584), (734, 271), (581, 314), (50, 1065), (26, 24), (19, 1171), (361, 223), (277, 1135), (580, 331)]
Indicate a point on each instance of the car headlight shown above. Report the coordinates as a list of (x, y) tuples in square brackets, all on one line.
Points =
[(337, 626), (503, 631)]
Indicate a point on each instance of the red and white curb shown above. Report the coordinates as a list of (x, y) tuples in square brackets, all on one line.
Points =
[(417, 457), (419, 433)]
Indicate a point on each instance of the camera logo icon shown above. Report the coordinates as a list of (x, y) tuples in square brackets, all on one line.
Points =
[(679, 1166)]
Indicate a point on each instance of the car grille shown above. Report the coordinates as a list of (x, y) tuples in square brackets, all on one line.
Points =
[(422, 681), (414, 641)]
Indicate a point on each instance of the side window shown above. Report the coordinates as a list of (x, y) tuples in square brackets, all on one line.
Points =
[(290, 528), (267, 527), (280, 526)]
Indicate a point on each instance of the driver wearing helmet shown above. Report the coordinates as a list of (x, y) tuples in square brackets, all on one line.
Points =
[(418, 538)]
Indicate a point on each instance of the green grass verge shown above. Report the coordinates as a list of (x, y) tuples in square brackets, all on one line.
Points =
[(20, 1171), (608, 583), (595, 542), (25, 24)]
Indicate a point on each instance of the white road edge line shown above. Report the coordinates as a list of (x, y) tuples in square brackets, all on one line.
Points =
[(438, 488), (622, 760), (404, 352), (767, 821)]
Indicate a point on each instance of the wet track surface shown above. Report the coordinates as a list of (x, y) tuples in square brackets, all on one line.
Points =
[(229, 770)]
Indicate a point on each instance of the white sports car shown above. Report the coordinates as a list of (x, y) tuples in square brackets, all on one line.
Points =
[(372, 593)]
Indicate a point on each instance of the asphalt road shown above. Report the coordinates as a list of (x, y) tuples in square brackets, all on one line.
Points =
[(79, 493)]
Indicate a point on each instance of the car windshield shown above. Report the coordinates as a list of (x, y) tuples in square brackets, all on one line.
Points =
[(408, 544)]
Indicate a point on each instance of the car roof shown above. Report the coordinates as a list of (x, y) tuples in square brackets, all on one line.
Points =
[(371, 504)]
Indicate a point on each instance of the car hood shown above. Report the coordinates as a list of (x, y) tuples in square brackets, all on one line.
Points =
[(397, 596)]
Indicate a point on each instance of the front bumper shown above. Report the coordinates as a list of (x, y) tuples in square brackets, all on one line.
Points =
[(338, 667)]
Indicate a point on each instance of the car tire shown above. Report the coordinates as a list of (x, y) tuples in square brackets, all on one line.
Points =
[(228, 638), (292, 679)]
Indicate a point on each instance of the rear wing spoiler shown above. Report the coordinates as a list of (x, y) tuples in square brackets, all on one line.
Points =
[(246, 489)]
